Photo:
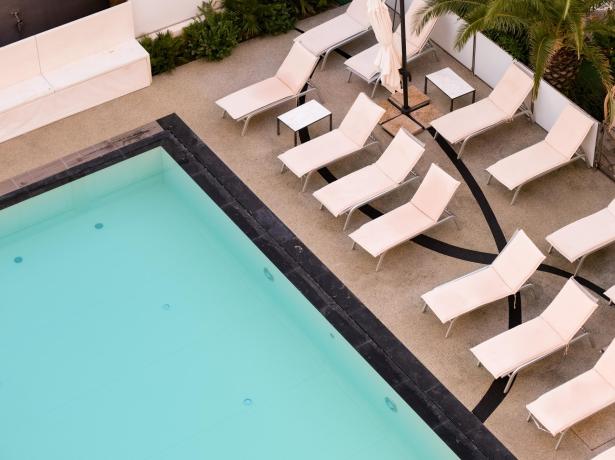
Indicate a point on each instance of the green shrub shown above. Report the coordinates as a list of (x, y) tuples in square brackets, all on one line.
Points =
[(304, 8), (255, 17), (211, 36), (516, 44), (164, 51)]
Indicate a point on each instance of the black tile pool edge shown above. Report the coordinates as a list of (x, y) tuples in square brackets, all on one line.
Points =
[(447, 417)]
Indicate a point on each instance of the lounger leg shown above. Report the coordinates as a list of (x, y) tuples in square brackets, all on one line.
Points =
[(307, 178), (463, 145), (559, 441), (224, 114), (489, 179), (529, 417), (477, 363), (245, 126), (348, 217), (324, 60), (550, 249), (375, 87), (450, 326), (424, 309), (354, 245), (511, 379), (515, 195), (349, 76), (454, 217), (321, 206), (579, 265), (380, 259)]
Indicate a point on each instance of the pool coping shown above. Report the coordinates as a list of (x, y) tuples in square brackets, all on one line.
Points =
[(462, 431)]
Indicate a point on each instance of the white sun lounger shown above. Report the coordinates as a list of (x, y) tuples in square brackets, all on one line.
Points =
[(560, 147), (328, 36), (505, 102), (507, 275), (556, 328), (577, 240), (608, 454), (610, 293), (425, 210), (351, 136), (287, 84), (393, 170), (363, 64), (583, 396)]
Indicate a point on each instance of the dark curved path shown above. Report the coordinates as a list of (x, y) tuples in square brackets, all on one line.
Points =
[(495, 394)]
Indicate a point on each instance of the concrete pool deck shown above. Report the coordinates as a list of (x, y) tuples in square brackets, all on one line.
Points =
[(393, 293)]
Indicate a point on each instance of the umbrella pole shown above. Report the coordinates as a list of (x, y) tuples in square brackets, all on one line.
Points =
[(404, 72)]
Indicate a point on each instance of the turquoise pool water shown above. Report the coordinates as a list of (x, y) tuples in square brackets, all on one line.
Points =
[(138, 322)]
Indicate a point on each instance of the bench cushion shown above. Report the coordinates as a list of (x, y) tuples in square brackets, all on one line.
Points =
[(19, 62), (23, 92), (95, 65)]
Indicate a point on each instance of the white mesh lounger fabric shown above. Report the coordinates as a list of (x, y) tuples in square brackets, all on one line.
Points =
[(500, 106), (390, 172), (556, 328), (608, 454), (558, 149), (356, 127), (505, 276), (287, 84), (583, 396), (363, 64), (577, 240), (424, 211), (328, 36)]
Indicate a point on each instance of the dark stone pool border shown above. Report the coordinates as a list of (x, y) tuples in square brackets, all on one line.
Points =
[(446, 415)]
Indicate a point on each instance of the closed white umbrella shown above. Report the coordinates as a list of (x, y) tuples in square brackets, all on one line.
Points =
[(387, 60)]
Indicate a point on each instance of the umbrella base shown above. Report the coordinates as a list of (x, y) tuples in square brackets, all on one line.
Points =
[(416, 98), (401, 121)]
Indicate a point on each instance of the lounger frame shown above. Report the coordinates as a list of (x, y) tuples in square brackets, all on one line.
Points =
[(522, 110), (306, 177), (375, 80), (246, 118), (411, 177), (325, 54), (452, 321), (578, 155), (581, 259), (511, 376), (530, 417), (446, 216)]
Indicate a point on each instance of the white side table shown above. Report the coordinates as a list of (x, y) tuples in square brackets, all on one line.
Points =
[(303, 116), (450, 84)]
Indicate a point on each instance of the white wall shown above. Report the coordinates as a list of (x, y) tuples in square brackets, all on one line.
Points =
[(490, 61), (153, 15), (444, 35)]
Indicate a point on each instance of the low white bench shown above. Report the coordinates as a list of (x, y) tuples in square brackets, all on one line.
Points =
[(69, 69)]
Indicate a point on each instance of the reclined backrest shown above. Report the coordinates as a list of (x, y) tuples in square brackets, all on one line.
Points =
[(297, 67), (92, 34), (435, 192), (518, 261), (569, 310), (18, 62), (606, 364), (569, 131), (361, 119), (357, 10), (511, 90), (400, 156), (412, 38)]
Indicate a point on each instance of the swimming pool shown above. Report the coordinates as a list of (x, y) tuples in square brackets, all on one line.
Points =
[(138, 322)]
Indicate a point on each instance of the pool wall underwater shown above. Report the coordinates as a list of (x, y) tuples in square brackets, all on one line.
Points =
[(445, 415)]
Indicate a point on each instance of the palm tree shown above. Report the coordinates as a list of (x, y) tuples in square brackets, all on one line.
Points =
[(559, 32)]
